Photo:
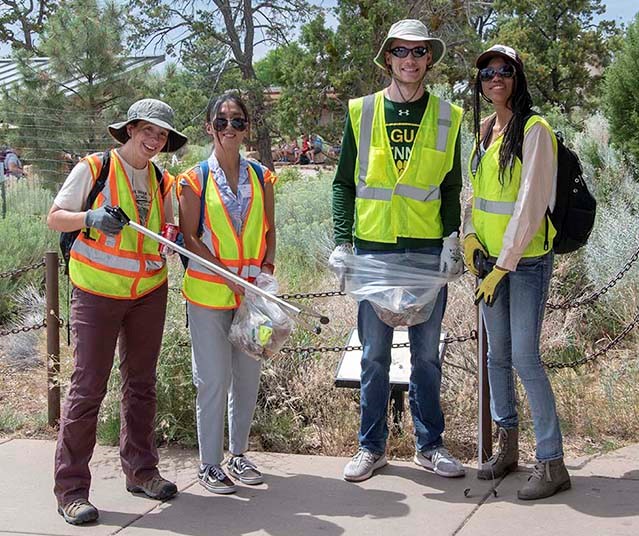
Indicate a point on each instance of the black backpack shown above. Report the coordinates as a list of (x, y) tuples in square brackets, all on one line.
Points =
[(68, 238), (575, 207)]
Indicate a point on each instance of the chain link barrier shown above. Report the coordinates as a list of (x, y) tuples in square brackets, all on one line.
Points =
[(24, 329), (472, 336), (578, 302), (20, 271), (568, 304)]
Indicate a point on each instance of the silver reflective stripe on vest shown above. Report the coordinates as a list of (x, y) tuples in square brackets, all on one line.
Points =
[(363, 152), (196, 267), (152, 266), (250, 271), (105, 259), (419, 194), (494, 207), (443, 125), (365, 133)]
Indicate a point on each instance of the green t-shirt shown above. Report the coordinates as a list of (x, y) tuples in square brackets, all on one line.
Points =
[(402, 123)]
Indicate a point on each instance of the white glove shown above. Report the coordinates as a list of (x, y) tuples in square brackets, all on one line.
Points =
[(451, 260), (336, 262)]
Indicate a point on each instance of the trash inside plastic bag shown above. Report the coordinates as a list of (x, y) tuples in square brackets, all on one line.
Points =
[(402, 288), (260, 327)]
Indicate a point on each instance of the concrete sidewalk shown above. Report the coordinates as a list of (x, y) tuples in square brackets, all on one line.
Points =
[(305, 495)]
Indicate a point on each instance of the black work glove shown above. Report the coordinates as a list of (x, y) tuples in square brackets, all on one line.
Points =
[(101, 220)]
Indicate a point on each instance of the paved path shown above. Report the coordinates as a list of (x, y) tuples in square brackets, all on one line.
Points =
[(305, 495)]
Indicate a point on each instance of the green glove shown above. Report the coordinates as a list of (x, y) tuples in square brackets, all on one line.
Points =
[(488, 287), (472, 244)]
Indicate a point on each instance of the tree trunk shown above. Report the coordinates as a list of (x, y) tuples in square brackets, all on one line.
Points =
[(262, 131)]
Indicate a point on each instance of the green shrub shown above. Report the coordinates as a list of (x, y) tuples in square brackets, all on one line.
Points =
[(24, 239)]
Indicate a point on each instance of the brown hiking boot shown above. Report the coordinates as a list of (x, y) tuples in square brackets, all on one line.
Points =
[(505, 459), (78, 512), (155, 488), (547, 479)]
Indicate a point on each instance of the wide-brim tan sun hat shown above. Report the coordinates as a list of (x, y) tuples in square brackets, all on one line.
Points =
[(500, 51), (153, 111), (410, 30)]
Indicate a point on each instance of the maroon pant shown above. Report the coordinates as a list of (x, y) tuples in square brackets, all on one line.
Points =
[(96, 324)]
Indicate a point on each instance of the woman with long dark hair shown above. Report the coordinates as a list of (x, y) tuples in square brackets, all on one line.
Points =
[(233, 228), (508, 245)]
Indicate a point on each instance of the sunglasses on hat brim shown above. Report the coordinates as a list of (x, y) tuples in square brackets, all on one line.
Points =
[(505, 71), (237, 123)]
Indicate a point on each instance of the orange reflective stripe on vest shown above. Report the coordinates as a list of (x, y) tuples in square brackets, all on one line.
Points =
[(128, 265), (241, 254)]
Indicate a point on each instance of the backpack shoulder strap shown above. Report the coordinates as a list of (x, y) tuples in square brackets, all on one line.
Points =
[(159, 175), (204, 167), (258, 171)]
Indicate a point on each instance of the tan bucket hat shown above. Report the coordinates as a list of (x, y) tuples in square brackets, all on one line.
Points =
[(410, 30), (154, 111)]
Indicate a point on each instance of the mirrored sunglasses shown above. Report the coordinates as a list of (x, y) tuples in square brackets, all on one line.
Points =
[(238, 123), (402, 52), (505, 71)]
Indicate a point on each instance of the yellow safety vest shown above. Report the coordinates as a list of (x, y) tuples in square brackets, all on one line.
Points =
[(242, 255), (389, 204), (128, 265), (494, 204)]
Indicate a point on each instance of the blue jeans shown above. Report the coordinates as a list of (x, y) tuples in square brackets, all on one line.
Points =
[(513, 325), (425, 379)]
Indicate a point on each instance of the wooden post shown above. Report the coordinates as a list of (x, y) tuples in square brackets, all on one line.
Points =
[(484, 432), (53, 338)]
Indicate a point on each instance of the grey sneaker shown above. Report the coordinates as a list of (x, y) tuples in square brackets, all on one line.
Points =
[(244, 470), (363, 464), (156, 487), (78, 512), (440, 461), (214, 479)]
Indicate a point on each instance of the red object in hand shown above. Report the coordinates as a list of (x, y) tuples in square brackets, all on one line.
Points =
[(170, 232)]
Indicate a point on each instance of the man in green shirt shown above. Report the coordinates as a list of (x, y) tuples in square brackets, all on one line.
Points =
[(397, 189)]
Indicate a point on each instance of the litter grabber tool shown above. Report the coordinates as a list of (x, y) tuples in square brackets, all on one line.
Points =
[(295, 311)]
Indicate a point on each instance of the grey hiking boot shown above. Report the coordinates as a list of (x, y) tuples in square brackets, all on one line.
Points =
[(244, 470), (78, 512), (155, 487), (440, 461), (546, 479), (214, 479), (505, 459), (363, 464)]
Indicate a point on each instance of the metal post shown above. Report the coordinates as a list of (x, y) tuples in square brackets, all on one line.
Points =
[(3, 186), (397, 408), (484, 432), (53, 338)]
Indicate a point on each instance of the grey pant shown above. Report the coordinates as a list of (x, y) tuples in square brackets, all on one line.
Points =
[(222, 375)]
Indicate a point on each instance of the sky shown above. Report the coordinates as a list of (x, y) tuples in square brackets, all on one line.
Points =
[(621, 10)]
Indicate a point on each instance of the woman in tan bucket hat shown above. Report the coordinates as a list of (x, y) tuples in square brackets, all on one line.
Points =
[(119, 296)]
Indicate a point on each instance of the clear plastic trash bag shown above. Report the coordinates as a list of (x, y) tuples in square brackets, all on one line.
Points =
[(260, 327), (402, 288)]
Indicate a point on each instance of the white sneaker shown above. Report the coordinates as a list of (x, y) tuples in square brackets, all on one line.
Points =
[(362, 465), (440, 461)]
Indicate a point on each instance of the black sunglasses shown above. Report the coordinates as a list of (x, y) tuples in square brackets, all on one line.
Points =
[(505, 71), (238, 123), (402, 52)]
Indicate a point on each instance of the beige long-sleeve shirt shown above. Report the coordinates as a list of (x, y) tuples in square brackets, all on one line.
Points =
[(537, 192)]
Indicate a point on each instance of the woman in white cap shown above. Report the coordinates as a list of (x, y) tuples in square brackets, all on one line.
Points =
[(508, 244), (119, 294), (227, 217), (396, 190)]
